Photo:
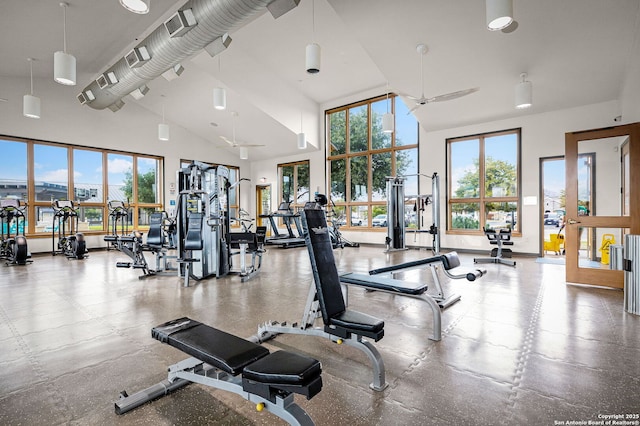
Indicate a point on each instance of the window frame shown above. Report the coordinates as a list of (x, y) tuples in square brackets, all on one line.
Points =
[(296, 204), (482, 199), (370, 205), (33, 205)]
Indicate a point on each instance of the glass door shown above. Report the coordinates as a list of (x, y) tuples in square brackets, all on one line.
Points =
[(598, 210)]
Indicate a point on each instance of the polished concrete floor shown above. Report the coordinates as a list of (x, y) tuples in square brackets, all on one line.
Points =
[(520, 348)]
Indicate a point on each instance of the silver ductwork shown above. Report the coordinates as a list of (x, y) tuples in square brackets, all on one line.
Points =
[(177, 39)]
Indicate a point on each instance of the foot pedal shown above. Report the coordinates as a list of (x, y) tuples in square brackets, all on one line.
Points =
[(123, 264)]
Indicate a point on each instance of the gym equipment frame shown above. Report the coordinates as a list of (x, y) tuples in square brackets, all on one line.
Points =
[(325, 300), (71, 243), (498, 238), (14, 248), (230, 363)]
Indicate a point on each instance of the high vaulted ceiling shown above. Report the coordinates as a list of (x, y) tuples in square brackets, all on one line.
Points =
[(576, 52)]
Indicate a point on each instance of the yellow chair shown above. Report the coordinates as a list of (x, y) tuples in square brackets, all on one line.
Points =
[(556, 244)]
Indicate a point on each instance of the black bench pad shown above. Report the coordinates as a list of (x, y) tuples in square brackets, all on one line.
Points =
[(448, 260), (283, 367), (386, 284), (222, 350), (110, 238), (358, 323)]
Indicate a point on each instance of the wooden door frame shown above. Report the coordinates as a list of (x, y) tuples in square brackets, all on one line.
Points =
[(259, 188), (601, 277)]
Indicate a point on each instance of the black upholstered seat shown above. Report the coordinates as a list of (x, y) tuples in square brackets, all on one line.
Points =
[(222, 350), (154, 236)]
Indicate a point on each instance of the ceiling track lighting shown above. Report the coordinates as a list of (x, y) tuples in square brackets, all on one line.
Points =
[(499, 14), (524, 92), (30, 103), (313, 51), (64, 64), (136, 6)]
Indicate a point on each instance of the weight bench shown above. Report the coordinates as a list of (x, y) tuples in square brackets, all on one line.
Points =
[(498, 254), (448, 261), (224, 361), (325, 300)]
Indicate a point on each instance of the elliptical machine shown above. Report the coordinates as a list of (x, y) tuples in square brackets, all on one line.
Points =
[(13, 249), (70, 242)]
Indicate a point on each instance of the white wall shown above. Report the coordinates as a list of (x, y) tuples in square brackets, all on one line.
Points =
[(64, 120)]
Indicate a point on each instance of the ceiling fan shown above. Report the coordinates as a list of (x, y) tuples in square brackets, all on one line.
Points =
[(422, 100), (232, 142)]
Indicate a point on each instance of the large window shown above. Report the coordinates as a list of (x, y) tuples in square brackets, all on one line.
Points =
[(361, 156), (294, 183), (484, 182), (37, 173)]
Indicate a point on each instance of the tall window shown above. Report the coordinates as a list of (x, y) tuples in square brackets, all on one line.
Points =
[(484, 182), (39, 172), (294, 183), (361, 156)]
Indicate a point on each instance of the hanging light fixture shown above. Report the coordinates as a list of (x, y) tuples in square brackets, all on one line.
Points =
[(219, 95), (499, 14), (64, 64), (524, 93), (302, 140), (388, 120), (312, 52), (244, 153), (163, 128), (136, 6), (30, 103)]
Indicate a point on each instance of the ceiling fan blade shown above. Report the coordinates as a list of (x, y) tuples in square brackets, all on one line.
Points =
[(413, 98), (453, 95), (224, 138), (418, 105), (249, 145)]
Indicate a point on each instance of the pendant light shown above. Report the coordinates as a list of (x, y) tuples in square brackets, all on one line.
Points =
[(244, 153), (219, 95), (312, 52), (524, 93), (163, 128), (499, 14), (64, 64), (302, 140), (136, 6), (30, 103), (388, 121)]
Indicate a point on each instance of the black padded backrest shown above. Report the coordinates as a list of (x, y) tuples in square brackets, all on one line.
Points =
[(193, 239), (450, 260), (261, 234), (154, 236), (325, 273)]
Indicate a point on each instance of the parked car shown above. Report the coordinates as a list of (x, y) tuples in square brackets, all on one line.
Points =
[(379, 220), (552, 219), (356, 221)]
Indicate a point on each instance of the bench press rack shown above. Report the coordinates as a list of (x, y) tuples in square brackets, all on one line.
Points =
[(325, 300), (227, 362)]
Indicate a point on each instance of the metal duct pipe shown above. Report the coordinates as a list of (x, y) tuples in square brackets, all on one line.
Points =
[(214, 18)]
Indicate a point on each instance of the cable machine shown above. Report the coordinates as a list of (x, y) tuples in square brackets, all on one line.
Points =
[(203, 221), (396, 212)]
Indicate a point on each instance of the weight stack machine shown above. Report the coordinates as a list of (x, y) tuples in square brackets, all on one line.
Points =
[(395, 214)]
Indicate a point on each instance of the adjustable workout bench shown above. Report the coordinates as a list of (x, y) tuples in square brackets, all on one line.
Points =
[(500, 238), (325, 299), (224, 361)]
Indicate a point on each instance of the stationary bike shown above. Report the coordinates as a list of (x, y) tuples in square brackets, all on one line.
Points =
[(13, 249), (71, 243)]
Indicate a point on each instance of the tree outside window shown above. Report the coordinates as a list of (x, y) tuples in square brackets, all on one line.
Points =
[(361, 156), (484, 182)]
